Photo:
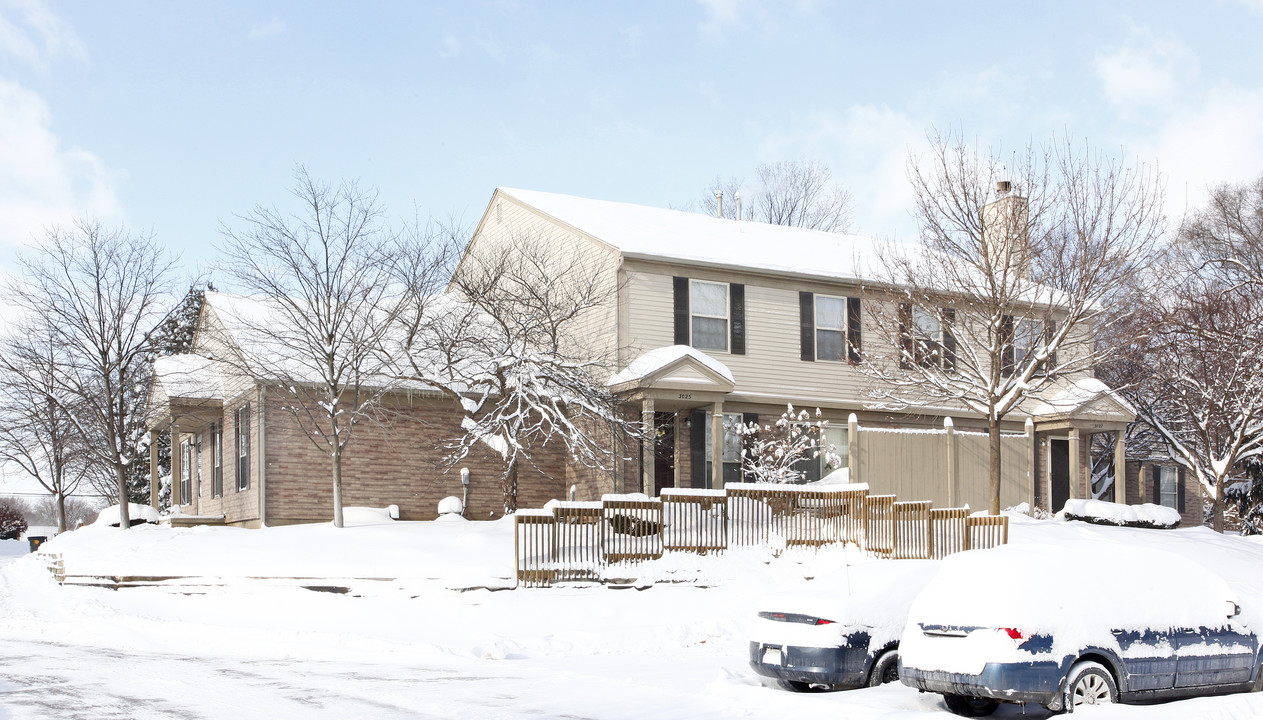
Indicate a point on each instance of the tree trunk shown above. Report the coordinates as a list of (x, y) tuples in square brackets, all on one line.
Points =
[(337, 486), (510, 488), (993, 462), (1217, 507), (59, 505), (124, 514)]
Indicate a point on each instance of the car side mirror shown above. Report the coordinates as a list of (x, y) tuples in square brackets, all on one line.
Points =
[(1232, 608)]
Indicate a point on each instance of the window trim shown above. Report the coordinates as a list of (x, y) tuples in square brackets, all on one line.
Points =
[(726, 317), (1173, 492), (242, 449), (186, 472)]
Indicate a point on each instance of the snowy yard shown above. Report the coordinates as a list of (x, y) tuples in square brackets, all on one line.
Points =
[(412, 647)]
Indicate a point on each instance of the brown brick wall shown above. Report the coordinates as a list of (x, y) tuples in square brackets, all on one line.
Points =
[(398, 462), (1140, 486)]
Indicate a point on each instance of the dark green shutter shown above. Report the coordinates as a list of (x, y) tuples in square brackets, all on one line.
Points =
[(737, 311), (907, 346), (807, 326), (1179, 491), (949, 339), (854, 344), (680, 290), (1006, 341)]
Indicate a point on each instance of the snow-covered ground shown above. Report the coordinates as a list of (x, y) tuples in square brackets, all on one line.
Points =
[(412, 647)]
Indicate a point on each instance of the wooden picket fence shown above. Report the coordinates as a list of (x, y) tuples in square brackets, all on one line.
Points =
[(577, 541)]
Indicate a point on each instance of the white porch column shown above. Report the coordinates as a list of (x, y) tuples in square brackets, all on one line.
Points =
[(1075, 474), (153, 468), (1120, 466), (717, 446), (176, 462), (647, 447)]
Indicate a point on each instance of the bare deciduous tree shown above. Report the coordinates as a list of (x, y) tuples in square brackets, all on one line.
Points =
[(511, 343), (326, 281), (36, 432), (1017, 263), (797, 194), (96, 293), (1228, 233)]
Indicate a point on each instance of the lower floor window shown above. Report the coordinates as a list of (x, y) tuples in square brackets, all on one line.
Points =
[(732, 448), (815, 468), (1168, 487)]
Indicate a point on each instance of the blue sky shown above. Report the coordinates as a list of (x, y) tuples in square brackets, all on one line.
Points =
[(172, 117)]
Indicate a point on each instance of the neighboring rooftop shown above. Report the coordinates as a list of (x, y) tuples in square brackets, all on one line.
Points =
[(650, 232)]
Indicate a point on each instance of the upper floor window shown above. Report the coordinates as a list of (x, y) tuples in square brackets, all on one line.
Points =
[(1024, 339), (708, 305), (830, 328), (710, 315), (927, 337)]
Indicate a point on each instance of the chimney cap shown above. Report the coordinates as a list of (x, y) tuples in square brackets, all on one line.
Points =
[(1003, 187)]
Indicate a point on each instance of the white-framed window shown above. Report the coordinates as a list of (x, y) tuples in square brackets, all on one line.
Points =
[(217, 459), (186, 473), (732, 447), (1169, 487), (708, 310), (830, 328), (242, 429), (927, 329), (1028, 339)]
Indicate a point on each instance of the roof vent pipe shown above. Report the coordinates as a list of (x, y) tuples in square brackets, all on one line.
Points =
[(737, 195), (719, 204)]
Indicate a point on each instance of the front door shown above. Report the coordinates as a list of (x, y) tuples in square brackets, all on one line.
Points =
[(663, 452), (1059, 472)]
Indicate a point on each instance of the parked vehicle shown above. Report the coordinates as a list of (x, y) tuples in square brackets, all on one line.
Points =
[(841, 631), (1011, 625)]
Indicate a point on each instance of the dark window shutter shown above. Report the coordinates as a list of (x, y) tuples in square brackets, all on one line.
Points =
[(737, 314), (854, 344), (1179, 491), (243, 455), (907, 348), (697, 448), (680, 288), (1155, 483), (949, 339), (747, 419), (1006, 340), (807, 325), (1050, 329)]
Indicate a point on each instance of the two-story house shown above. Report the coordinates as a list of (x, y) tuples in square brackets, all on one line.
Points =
[(715, 322)]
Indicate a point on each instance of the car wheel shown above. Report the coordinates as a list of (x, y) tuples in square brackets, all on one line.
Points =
[(885, 669), (803, 687), (970, 706), (1089, 683)]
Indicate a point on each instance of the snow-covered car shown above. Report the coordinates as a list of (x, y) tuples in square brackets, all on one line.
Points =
[(1030, 624), (842, 630)]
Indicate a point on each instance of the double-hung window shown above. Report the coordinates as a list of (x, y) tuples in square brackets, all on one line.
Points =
[(708, 306), (731, 448), (835, 442), (242, 428), (831, 328), (186, 472), (927, 336), (1028, 339), (1168, 487), (217, 459)]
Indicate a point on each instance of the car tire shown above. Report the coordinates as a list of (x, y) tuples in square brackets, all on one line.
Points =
[(966, 706), (803, 687), (885, 669), (1089, 683)]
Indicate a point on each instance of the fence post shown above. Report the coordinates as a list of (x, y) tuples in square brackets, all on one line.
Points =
[(950, 428), (853, 447)]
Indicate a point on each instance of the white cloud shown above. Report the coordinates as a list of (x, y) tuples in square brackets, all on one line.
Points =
[(1215, 139), (449, 46), (867, 148), (272, 27), (1145, 75), (30, 32), (41, 182)]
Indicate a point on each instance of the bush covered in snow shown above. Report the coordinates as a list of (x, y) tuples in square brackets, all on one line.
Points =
[(12, 519), (1100, 512), (136, 512)]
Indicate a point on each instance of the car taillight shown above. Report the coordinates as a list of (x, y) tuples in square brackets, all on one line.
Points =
[(822, 621), (1016, 635)]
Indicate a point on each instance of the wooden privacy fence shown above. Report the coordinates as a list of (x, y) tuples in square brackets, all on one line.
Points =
[(579, 540)]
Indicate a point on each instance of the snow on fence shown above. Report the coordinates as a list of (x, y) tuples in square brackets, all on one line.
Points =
[(581, 540)]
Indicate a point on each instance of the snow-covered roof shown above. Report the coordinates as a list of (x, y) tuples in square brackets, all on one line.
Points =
[(655, 360), (189, 376), (1078, 396), (641, 231)]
